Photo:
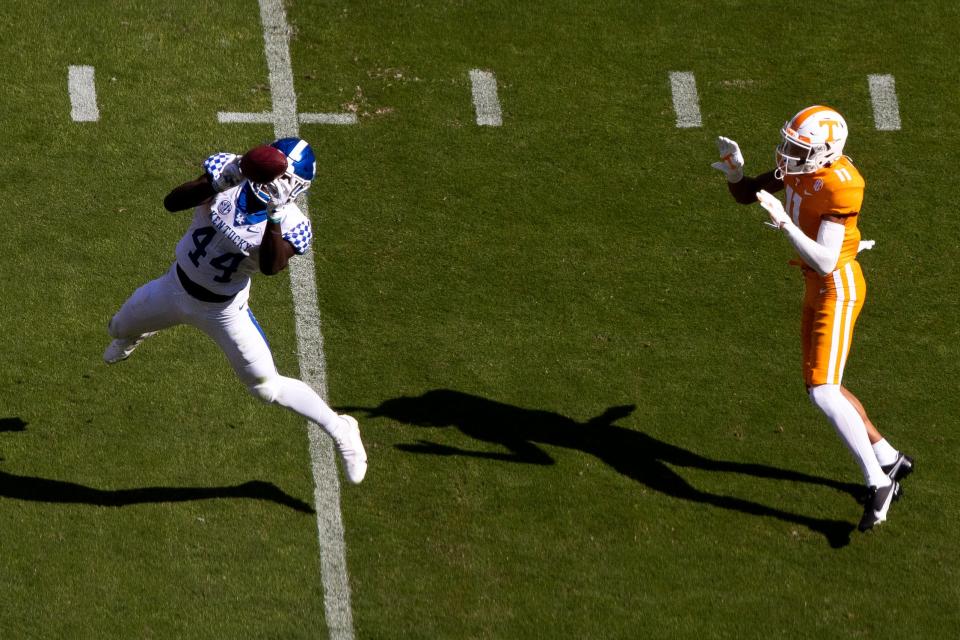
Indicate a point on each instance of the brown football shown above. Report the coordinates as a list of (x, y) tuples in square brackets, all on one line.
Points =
[(263, 164)]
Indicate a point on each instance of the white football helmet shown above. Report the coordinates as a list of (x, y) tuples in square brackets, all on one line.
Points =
[(813, 139)]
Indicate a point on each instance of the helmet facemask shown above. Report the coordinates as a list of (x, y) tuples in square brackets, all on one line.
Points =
[(301, 169), (288, 183), (794, 155)]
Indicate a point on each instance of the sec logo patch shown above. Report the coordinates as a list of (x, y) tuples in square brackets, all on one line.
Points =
[(818, 184)]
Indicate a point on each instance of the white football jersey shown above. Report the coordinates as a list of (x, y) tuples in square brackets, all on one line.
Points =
[(221, 249)]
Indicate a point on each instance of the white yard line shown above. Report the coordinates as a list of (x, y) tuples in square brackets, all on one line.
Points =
[(233, 117), (83, 94), (333, 557), (328, 118), (686, 102), (886, 108), (485, 101)]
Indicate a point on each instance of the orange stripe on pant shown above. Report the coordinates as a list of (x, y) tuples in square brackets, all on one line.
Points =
[(831, 305)]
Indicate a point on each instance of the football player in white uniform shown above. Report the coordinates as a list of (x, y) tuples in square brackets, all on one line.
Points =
[(238, 228)]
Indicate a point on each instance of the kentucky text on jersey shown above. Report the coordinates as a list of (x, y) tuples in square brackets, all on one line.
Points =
[(220, 250), (224, 228)]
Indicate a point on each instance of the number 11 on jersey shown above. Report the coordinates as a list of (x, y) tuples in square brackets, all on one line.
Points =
[(793, 205)]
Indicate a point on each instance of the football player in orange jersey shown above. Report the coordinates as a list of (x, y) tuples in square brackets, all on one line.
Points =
[(824, 192)]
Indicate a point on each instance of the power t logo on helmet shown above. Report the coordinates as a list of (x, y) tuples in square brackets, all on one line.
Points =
[(813, 139)]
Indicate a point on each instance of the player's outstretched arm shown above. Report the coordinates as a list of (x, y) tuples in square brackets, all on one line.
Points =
[(745, 191), (221, 171), (743, 188), (275, 251), (189, 194)]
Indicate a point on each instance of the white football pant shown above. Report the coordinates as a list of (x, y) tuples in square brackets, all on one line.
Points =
[(162, 303)]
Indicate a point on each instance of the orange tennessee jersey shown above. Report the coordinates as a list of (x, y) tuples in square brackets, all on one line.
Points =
[(836, 190)]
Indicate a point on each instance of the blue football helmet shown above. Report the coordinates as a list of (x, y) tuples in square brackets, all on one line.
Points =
[(301, 167)]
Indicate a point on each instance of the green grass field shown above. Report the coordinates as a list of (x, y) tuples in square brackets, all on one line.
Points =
[(574, 358)]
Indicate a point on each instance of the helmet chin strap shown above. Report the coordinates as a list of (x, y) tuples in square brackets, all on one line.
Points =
[(784, 166)]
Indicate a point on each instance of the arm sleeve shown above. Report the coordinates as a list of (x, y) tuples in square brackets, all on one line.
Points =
[(745, 191), (823, 253)]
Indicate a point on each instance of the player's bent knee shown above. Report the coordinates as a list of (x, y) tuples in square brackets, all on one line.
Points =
[(822, 395), (266, 391)]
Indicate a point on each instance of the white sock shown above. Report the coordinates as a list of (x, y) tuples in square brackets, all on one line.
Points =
[(885, 453), (852, 430), (300, 398)]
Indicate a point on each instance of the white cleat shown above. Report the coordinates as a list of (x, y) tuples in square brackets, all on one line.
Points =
[(121, 348), (351, 450)]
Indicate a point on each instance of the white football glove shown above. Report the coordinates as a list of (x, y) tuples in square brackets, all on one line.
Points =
[(731, 160), (770, 202), (866, 245), (279, 191), (229, 176)]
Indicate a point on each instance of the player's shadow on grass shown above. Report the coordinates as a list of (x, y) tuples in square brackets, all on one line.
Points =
[(35, 489), (12, 424), (633, 453)]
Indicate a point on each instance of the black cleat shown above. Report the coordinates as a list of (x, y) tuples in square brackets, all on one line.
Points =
[(878, 503), (899, 468)]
